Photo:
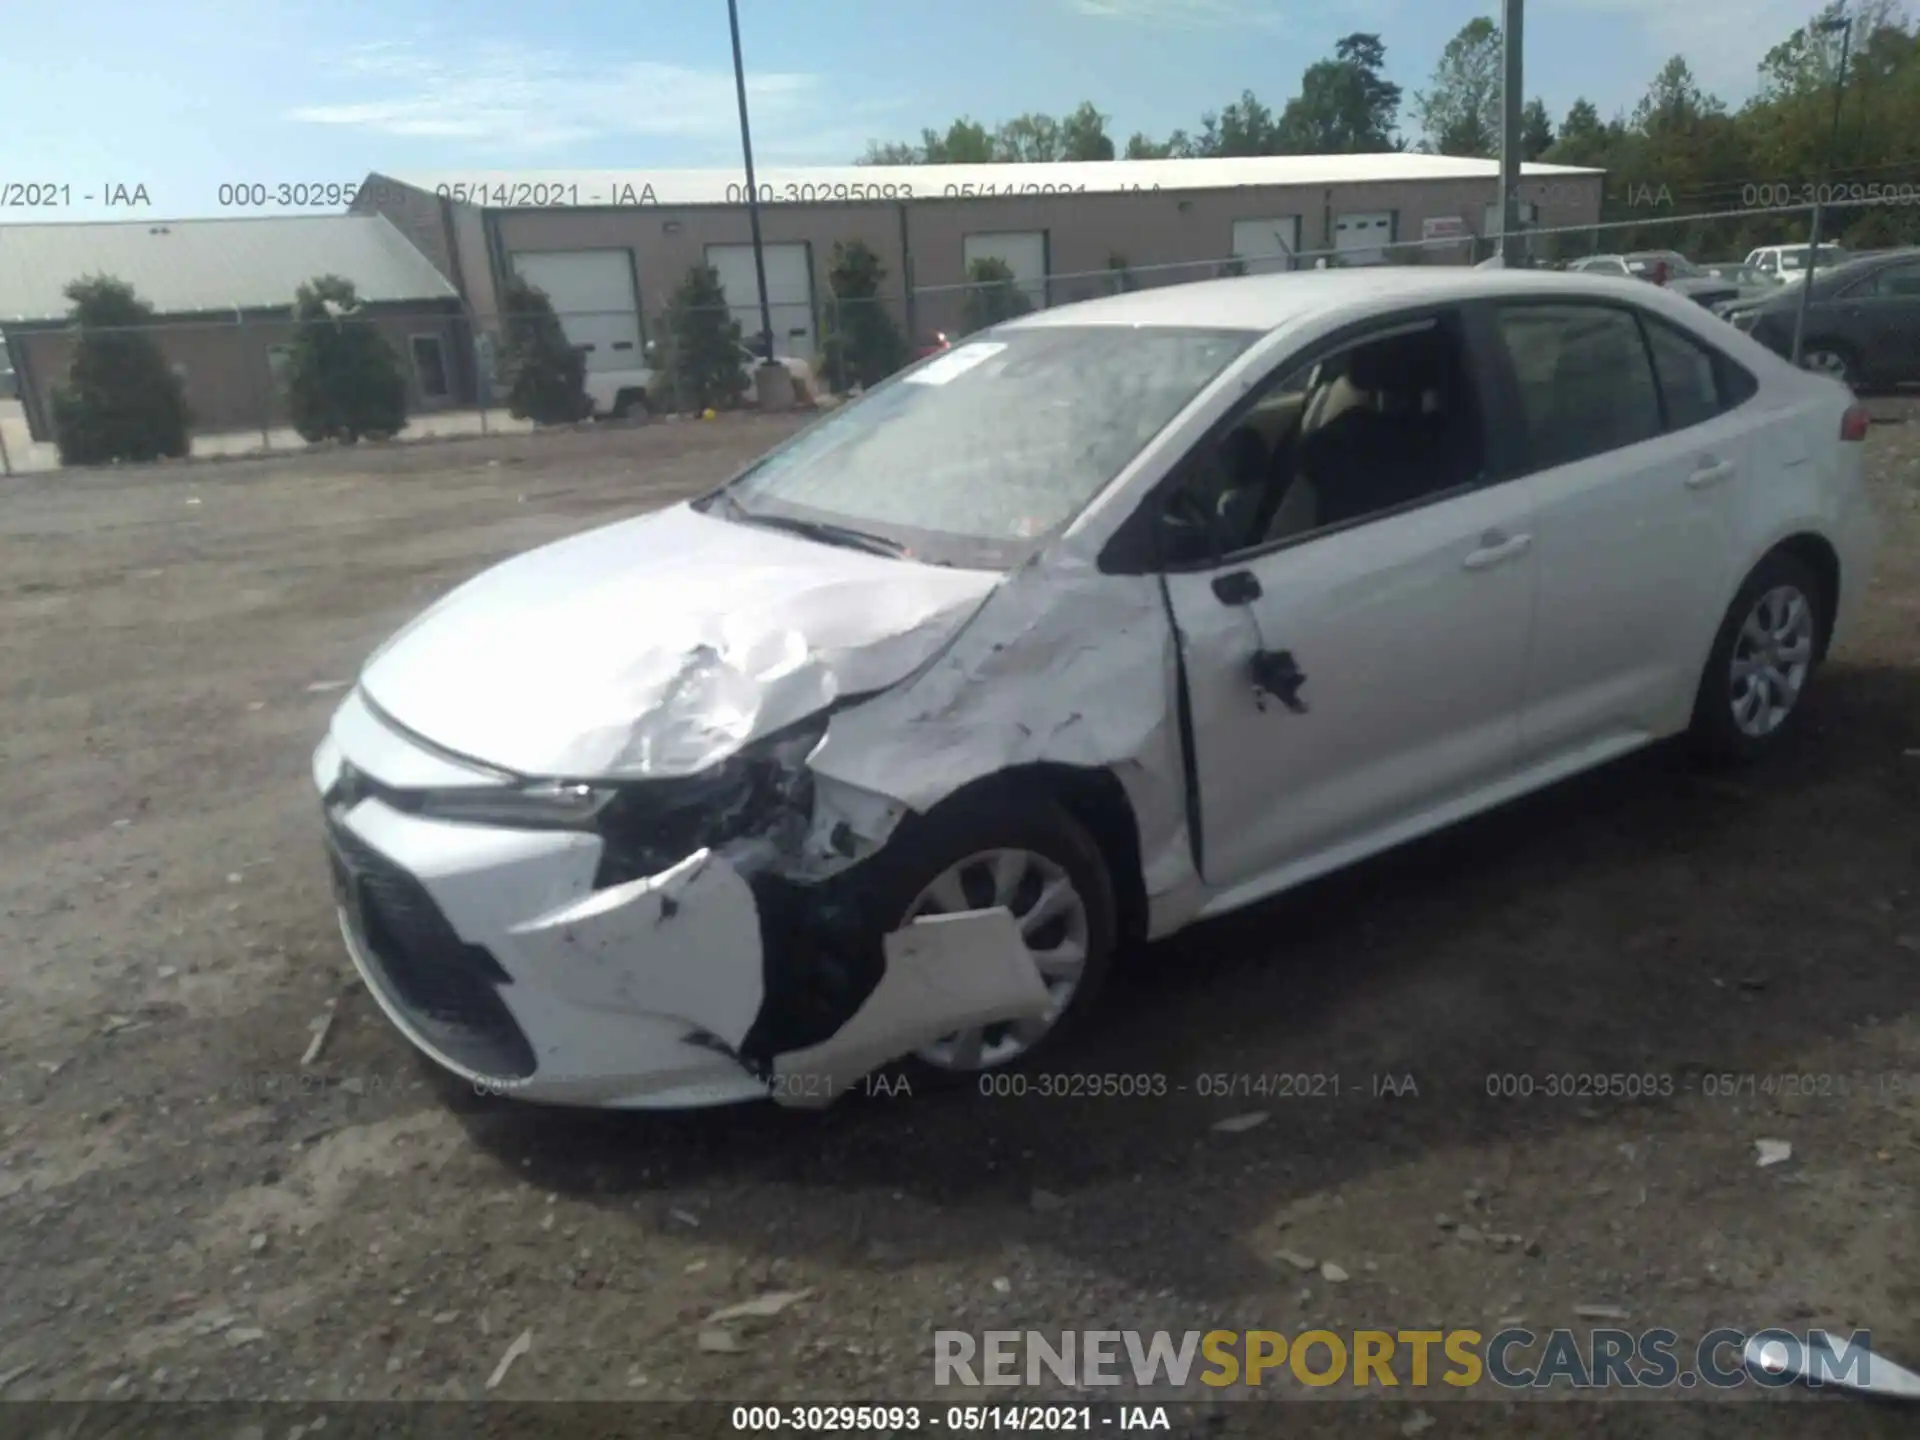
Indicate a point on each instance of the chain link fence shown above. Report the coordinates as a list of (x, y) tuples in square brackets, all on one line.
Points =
[(236, 371)]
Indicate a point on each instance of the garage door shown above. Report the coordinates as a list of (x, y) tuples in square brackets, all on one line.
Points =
[(789, 293), (1363, 239), (1267, 245), (1024, 252), (592, 293)]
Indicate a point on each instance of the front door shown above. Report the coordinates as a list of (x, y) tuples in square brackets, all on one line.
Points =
[(1354, 643), (1886, 322)]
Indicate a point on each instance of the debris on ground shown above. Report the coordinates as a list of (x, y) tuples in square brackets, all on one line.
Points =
[(1332, 1272), (760, 1307), (322, 1027), (720, 1342), (522, 1343), (1302, 1263), (1600, 1312), (1773, 1152), (1235, 1124)]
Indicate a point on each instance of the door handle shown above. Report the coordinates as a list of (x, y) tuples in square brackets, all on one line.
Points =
[(1496, 547), (1710, 472)]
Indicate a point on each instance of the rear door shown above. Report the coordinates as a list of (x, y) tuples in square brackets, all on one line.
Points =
[(1635, 458), (1883, 317)]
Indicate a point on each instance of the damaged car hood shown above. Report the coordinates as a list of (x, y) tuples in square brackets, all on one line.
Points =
[(660, 645)]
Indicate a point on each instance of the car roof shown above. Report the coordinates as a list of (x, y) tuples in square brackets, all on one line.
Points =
[(1266, 302)]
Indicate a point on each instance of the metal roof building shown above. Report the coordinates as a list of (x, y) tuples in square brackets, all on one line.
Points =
[(609, 247), (222, 291), (203, 267)]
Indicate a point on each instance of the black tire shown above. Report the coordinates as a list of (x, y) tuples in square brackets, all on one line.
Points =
[(627, 402), (1848, 372), (990, 819), (1714, 735)]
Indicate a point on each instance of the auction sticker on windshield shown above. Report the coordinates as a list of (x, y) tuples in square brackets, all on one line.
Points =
[(957, 362)]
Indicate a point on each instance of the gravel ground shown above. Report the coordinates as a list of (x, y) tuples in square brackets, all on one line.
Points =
[(188, 1212)]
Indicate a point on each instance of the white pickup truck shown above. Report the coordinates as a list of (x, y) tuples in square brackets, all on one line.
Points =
[(618, 394)]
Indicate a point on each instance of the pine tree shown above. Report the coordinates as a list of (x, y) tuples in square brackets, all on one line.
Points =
[(545, 374), (863, 344), (120, 402), (706, 343), (343, 379)]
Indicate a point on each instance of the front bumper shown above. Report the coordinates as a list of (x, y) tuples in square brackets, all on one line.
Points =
[(493, 953)]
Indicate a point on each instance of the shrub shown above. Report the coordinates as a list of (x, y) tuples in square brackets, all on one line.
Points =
[(545, 374), (992, 294), (343, 379), (706, 344), (863, 346), (120, 402)]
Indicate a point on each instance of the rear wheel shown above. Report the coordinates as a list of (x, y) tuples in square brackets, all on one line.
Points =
[(629, 402), (1762, 660), (1832, 359)]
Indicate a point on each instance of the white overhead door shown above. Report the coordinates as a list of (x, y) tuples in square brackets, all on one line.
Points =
[(789, 293), (1363, 239), (592, 293), (1024, 252), (1267, 245)]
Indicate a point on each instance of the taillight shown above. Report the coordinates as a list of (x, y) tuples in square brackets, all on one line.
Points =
[(1854, 424)]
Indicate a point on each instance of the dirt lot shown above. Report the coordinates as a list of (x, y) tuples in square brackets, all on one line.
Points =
[(187, 1212)]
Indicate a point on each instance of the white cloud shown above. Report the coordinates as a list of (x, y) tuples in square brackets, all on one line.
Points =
[(1191, 14), (500, 98)]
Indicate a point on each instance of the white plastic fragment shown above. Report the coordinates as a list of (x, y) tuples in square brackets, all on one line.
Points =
[(522, 1343), (322, 1028), (944, 973), (719, 1342), (1773, 1152), (1235, 1124), (760, 1307)]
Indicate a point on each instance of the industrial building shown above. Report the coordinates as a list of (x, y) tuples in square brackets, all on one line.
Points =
[(222, 291), (609, 247)]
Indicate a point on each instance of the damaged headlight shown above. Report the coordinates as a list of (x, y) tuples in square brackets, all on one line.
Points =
[(650, 825), (543, 805)]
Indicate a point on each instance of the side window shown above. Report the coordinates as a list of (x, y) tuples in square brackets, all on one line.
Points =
[(1586, 386), (1689, 380), (1897, 282), (1372, 426)]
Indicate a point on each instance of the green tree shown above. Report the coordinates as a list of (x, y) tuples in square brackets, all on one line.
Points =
[(1345, 105), (343, 379), (1583, 138), (863, 344), (545, 373), (1080, 134), (120, 402), (992, 294), (1536, 130), (706, 343), (1460, 111), (1246, 127), (1177, 146)]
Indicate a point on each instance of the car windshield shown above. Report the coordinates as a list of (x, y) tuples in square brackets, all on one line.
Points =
[(973, 456), (1797, 259)]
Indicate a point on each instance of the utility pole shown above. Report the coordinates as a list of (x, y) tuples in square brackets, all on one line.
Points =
[(1510, 108), (753, 189), (1844, 24)]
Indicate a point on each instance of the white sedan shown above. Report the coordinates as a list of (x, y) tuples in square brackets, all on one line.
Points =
[(1113, 618)]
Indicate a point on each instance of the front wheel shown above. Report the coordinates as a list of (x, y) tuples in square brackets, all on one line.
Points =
[(1042, 865), (1762, 659), (1829, 359)]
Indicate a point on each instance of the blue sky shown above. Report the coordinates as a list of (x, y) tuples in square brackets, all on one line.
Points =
[(183, 96)]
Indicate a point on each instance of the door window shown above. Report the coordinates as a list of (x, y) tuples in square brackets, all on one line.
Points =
[(1585, 383), (1896, 282), (1689, 379), (1375, 426)]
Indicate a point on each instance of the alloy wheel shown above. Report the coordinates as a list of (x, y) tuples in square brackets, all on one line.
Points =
[(1052, 918), (1771, 657)]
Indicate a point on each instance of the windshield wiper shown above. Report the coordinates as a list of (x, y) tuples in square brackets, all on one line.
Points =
[(821, 530)]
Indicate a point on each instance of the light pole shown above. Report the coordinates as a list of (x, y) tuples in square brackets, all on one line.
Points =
[(1510, 111), (753, 190), (1843, 24)]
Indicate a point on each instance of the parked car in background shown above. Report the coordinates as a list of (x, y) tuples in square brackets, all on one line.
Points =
[(617, 394), (1863, 320), (1750, 281), (1788, 263), (1664, 267), (1195, 594)]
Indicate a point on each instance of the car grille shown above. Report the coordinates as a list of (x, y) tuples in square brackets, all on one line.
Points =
[(448, 989)]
